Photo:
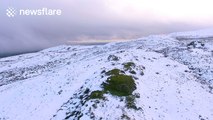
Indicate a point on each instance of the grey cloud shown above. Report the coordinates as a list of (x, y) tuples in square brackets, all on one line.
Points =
[(80, 19)]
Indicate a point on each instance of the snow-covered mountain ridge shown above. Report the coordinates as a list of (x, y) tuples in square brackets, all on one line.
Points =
[(159, 77)]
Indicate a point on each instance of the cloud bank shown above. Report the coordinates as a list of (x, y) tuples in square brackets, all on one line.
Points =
[(84, 20)]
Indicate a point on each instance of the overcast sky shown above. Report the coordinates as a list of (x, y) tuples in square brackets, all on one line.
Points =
[(97, 20)]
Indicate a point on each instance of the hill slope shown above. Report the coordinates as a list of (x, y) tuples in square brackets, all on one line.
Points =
[(160, 77)]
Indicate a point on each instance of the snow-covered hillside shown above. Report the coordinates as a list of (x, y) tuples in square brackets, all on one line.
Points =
[(159, 77)]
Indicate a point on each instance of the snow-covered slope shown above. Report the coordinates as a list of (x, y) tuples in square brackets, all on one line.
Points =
[(172, 75)]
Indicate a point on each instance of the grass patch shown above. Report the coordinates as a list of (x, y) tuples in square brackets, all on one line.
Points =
[(129, 66), (114, 72), (97, 95), (120, 85)]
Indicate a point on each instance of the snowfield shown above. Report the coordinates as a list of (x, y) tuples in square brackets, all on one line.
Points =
[(173, 75)]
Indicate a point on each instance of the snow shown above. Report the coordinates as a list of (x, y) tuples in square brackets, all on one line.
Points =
[(177, 82)]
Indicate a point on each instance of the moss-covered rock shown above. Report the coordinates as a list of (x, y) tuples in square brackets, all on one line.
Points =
[(97, 95), (120, 85)]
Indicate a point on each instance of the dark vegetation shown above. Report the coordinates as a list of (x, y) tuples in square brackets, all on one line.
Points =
[(129, 66), (130, 102), (195, 44), (120, 85), (125, 117), (117, 84), (114, 72), (113, 58), (97, 95)]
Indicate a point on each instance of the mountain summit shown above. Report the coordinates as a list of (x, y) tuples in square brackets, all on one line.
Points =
[(159, 77)]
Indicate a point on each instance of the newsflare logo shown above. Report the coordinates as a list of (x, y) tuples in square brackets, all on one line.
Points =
[(12, 12)]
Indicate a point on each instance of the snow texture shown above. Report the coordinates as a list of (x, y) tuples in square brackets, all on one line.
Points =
[(176, 84)]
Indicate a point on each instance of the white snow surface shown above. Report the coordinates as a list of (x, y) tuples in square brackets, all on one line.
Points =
[(51, 84)]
